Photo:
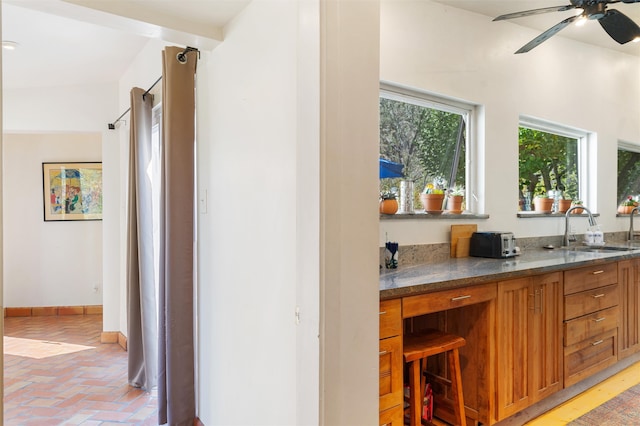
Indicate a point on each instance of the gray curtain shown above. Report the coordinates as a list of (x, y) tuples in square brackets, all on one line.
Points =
[(142, 320), (176, 382)]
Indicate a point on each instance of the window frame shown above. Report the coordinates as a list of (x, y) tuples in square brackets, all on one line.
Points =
[(468, 110), (625, 146), (583, 138)]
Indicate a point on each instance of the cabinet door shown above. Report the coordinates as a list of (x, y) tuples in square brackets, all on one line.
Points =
[(514, 304), (391, 365), (629, 287), (545, 336)]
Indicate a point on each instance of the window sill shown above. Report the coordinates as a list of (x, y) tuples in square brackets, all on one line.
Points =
[(424, 215), (534, 214)]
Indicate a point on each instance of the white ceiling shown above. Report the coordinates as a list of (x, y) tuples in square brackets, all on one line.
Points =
[(63, 43), (591, 32)]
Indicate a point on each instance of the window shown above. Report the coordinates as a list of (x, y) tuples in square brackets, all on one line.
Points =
[(628, 171), (429, 136), (551, 158)]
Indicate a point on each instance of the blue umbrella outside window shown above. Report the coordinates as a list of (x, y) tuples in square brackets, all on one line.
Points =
[(389, 169)]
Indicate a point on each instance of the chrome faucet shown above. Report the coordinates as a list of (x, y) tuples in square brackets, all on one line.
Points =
[(567, 239), (632, 233)]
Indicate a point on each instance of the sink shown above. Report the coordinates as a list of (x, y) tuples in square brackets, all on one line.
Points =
[(600, 249)]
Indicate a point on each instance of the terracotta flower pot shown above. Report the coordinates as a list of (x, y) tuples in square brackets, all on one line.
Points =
[(389, 206), (577, 211), (625, 209), (432, 202), (454, 203), (564, 205), (543, 204)]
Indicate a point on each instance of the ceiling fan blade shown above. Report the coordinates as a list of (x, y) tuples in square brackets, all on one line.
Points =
[(535, 12), (547, 34), (619, 26)]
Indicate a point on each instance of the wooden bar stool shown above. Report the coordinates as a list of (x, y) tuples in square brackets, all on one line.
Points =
[(417, 348)]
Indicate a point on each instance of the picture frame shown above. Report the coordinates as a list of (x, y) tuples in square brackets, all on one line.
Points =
[(72, 191)]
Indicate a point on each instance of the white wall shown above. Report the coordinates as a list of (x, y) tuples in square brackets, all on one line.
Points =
[(247, 237), (464, 55), (47, 263), (51, 124)]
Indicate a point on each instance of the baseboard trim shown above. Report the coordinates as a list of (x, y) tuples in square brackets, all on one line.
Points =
[(39, 311), (114, 337)]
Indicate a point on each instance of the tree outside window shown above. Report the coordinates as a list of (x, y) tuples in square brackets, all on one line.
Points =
[(430, 142), (547, 162), (628, 172)]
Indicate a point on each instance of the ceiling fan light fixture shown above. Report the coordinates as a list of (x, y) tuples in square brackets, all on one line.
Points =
[(581, 21), (636, 40)]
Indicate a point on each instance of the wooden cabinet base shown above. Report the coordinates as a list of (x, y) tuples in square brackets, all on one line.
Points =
[(392, 417), (589, 357)]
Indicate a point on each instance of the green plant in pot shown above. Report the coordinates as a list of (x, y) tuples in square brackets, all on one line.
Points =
[(564, 204), (542, 203), (577, 203), (455, 199), (627, 205), (388, 203), (432, 198)]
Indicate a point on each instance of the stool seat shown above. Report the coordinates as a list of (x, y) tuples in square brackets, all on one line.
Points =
[(427, 343), (417, 347)]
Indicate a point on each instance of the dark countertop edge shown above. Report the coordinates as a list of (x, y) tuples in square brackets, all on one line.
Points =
[(415, 290)]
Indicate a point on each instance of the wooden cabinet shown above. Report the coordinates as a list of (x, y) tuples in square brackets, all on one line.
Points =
[(391, 363), (591, 317), (629, 326), (529, 341)]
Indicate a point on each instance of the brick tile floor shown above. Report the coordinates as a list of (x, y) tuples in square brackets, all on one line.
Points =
[(56, 372)]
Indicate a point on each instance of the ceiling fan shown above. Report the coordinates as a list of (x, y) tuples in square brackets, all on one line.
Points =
[(618, 25)]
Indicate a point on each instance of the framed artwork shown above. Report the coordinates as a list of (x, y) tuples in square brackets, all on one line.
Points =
[(72, 191)]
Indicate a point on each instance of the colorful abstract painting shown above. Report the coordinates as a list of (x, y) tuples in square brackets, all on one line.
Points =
[(72, 191)]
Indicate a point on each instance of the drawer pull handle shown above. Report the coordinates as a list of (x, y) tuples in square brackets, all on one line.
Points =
[(599, 319), (597, 343), (383, 312), (597, 272), (455, 299), (382, 353), (595, 296)]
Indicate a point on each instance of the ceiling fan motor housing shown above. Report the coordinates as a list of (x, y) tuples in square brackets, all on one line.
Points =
[(618, 25)]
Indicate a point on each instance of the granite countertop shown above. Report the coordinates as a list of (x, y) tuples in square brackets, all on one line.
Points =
[(461, 272)]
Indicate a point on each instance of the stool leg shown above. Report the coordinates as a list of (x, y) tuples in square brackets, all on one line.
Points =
[(415, 400), (456, 386)]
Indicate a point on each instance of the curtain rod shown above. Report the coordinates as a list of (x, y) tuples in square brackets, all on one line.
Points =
[(181, 57)]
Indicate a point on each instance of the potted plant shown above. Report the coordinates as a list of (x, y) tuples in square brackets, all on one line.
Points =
[(564, 204), (388, 203), (432, 199), (454, 200), (627, 205), (577, 203), (542, 203)]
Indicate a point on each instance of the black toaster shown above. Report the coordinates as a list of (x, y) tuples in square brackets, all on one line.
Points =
[(492, 244)]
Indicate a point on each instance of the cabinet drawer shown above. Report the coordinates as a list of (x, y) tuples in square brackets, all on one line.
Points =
[(588, 326), (590, 277), (390, 318), (590, 356), (391, 367), (414, 306), (586, 302), (392, 416)]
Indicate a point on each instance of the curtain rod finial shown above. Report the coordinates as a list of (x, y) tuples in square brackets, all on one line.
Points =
[(112, 126)]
